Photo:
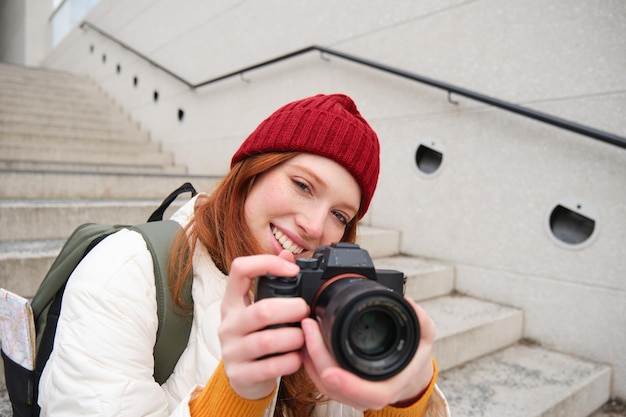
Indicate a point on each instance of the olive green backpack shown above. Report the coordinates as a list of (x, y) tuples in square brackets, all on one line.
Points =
[(173, 330)]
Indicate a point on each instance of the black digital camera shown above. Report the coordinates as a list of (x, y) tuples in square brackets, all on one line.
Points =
[(368, 326)]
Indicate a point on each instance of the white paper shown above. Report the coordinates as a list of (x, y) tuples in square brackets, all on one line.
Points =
[(17, 329)]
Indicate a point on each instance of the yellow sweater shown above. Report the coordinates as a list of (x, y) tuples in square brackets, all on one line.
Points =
[(218, 399)]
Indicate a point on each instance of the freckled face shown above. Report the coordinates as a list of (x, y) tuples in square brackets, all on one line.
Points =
[(300, 204)]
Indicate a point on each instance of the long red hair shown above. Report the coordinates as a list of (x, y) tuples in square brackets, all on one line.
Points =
[(219, 224)]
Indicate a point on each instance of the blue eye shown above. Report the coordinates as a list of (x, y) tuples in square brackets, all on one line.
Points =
[(301, 185), (341, 218)]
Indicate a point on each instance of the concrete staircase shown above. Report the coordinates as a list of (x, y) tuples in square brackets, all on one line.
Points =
[(68, 156)]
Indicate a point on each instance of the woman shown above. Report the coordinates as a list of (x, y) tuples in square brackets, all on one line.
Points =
[(303, 178)]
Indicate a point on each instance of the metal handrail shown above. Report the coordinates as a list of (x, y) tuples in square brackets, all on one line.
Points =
[(451, 89)]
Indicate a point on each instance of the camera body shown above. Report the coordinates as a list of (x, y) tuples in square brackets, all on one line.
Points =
[(366, 323)]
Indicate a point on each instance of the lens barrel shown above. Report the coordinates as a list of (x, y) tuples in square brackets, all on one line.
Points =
[(371, 330)]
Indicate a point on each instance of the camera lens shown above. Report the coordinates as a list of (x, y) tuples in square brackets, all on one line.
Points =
[(371, 331)]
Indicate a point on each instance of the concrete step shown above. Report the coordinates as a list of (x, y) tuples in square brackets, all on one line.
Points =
[(91, 167), (44, 185), (468, 328), (51, 138), (425, 279), (22, 220), (38, 117), (16, 108), (378, 242), (42, 76), (66, 92), (93, 132), (526, 381), (34, 153), (24, 264), (44, 81), (77, 143), (56, 94), (92, 106)]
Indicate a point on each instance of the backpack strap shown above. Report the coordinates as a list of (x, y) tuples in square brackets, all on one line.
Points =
[(174, 326), (157, 215)]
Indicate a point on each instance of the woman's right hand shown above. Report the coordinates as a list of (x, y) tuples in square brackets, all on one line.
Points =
[(243, 331)]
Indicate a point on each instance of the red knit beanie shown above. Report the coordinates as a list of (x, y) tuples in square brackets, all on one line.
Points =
[(326, 125)]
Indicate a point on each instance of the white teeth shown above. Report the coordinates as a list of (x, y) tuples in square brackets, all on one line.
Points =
[(285, 242)]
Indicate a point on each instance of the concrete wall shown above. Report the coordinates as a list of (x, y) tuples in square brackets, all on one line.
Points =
[(24, 31), (12, 31), (486, 208)]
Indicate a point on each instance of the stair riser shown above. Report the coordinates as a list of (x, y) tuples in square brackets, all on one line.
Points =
[(379, 243), (42, 137), (95, 133), (426, 286), (57, 221), (93, 104), (585, 400), (71, 92), (424, 280), (92, 168), (65, 155), (90, 107), (52, 142), (11, 82), (41, 186), (45, 78), (24, 275), (10, 106), (71, 120), (473, 343)]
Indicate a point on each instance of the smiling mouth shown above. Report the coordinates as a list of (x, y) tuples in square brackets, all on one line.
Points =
[(286, 243)]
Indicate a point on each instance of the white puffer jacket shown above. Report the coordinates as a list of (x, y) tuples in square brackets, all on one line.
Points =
[(102, 361)]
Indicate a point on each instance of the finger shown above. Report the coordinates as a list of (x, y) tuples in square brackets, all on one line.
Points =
[(330, 383), (316, 348), (248, 374), (322, 367), (255, 345), (245, 269), (264, 313), (287, 255), (273, 342), (427, 325)]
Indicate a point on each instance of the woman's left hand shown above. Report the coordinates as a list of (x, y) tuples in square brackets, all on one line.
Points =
[(343, 386)]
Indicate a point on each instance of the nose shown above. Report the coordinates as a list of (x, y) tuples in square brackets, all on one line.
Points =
[(312, 222)]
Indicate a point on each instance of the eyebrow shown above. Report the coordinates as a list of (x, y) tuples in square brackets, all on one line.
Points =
[(312, 173)]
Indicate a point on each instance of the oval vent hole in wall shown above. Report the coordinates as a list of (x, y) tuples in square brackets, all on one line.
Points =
[(572, 223), (181, 115), (429, 157)]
